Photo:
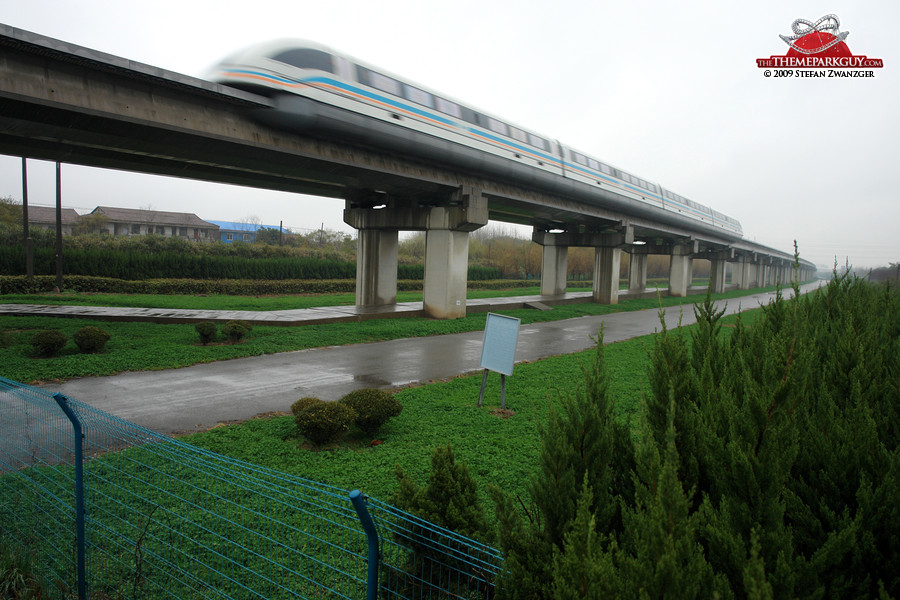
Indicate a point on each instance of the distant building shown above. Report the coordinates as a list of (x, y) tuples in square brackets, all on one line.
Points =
[(135, 221), (230, 232), (45, 218)]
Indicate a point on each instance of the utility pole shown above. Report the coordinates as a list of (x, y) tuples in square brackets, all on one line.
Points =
[(59, 281), (29, 243)]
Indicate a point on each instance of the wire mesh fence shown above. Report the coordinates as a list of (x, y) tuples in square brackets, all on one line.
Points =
[(165, 519)]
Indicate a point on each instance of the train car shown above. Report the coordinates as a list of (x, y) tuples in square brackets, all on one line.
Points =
[(318, 91)]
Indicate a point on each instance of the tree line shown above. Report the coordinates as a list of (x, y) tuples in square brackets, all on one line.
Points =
[(494, 252)]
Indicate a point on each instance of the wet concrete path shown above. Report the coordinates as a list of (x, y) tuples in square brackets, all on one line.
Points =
[(198, 397)]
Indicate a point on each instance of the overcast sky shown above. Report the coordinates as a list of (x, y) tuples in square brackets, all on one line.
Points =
[(669, 91)]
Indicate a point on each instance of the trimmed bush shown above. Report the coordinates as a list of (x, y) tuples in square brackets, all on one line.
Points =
[(304, 403), (207, 331), (48, 343), (323, 422), (91, 340), (373, 408), (235, 331)]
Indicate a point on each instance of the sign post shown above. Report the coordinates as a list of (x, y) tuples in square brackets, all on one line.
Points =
[(499, 351)]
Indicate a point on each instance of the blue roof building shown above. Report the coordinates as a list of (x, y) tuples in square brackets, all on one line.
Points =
[(230, 232)]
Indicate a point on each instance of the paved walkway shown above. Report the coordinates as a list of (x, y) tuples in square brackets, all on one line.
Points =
[(303, 316), (198, 397)]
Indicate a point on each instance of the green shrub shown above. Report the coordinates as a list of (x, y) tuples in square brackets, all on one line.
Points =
[(373, 408), (322, 423), (207, 331), (49, 342), (91, 340), (304, 403), (450, 500), (235, 331), (5, 338)]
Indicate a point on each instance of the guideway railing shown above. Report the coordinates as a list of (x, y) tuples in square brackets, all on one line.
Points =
[(105, 508)]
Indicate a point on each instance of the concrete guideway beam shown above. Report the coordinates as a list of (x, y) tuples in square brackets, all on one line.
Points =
[(447, 224)]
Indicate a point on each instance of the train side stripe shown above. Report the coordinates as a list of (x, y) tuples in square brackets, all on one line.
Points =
[(336, 86)]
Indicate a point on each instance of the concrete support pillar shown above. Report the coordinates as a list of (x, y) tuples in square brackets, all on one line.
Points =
[(637, 273), (447, 224), (681, 268), (743, 274), (376, 267), (680, 275), (446, 269), (554, 270), (717, 275), (607, 262), (607, 259), (447, 252)]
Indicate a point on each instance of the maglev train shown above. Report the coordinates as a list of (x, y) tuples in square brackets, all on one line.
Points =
[(320, 92)]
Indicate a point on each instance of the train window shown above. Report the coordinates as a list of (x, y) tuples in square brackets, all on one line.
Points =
[(418, 96), (344, 68), (306, 58), (379, 81), (447, 107), (581, 159), (497, 126), (472, 117), (606, 169), (538, 142), (593, 164), (517, 134)]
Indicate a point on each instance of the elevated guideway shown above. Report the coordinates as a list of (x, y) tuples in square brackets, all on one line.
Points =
[(68, 103)]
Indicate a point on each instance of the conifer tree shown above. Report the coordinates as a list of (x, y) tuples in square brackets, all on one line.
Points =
[(582, 441), (660, 555)]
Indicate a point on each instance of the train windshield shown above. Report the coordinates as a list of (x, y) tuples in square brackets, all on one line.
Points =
[(306, 58)]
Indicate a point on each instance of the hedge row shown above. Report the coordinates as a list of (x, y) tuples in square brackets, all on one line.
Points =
[(19, 284), (133, 265)]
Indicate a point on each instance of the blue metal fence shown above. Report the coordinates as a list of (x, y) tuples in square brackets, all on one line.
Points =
[(165, 519)]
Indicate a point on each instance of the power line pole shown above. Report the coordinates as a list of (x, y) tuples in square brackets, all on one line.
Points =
[(59, 281), (29, 243)]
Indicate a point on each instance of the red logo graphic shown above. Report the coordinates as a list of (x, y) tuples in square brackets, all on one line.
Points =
[(818, 45)]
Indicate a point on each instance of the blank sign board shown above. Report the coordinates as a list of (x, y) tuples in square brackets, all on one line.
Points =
[(499, 350)]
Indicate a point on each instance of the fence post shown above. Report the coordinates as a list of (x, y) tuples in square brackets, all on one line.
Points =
[(359, 503), (79, 492)]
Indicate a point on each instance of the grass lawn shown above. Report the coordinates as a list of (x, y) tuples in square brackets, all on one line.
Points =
[(497, 449), (150, 346), (223, 302), (501, 450)]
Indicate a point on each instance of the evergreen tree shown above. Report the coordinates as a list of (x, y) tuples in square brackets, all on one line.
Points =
[(660, 555), (582, 442), (768, 465)]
